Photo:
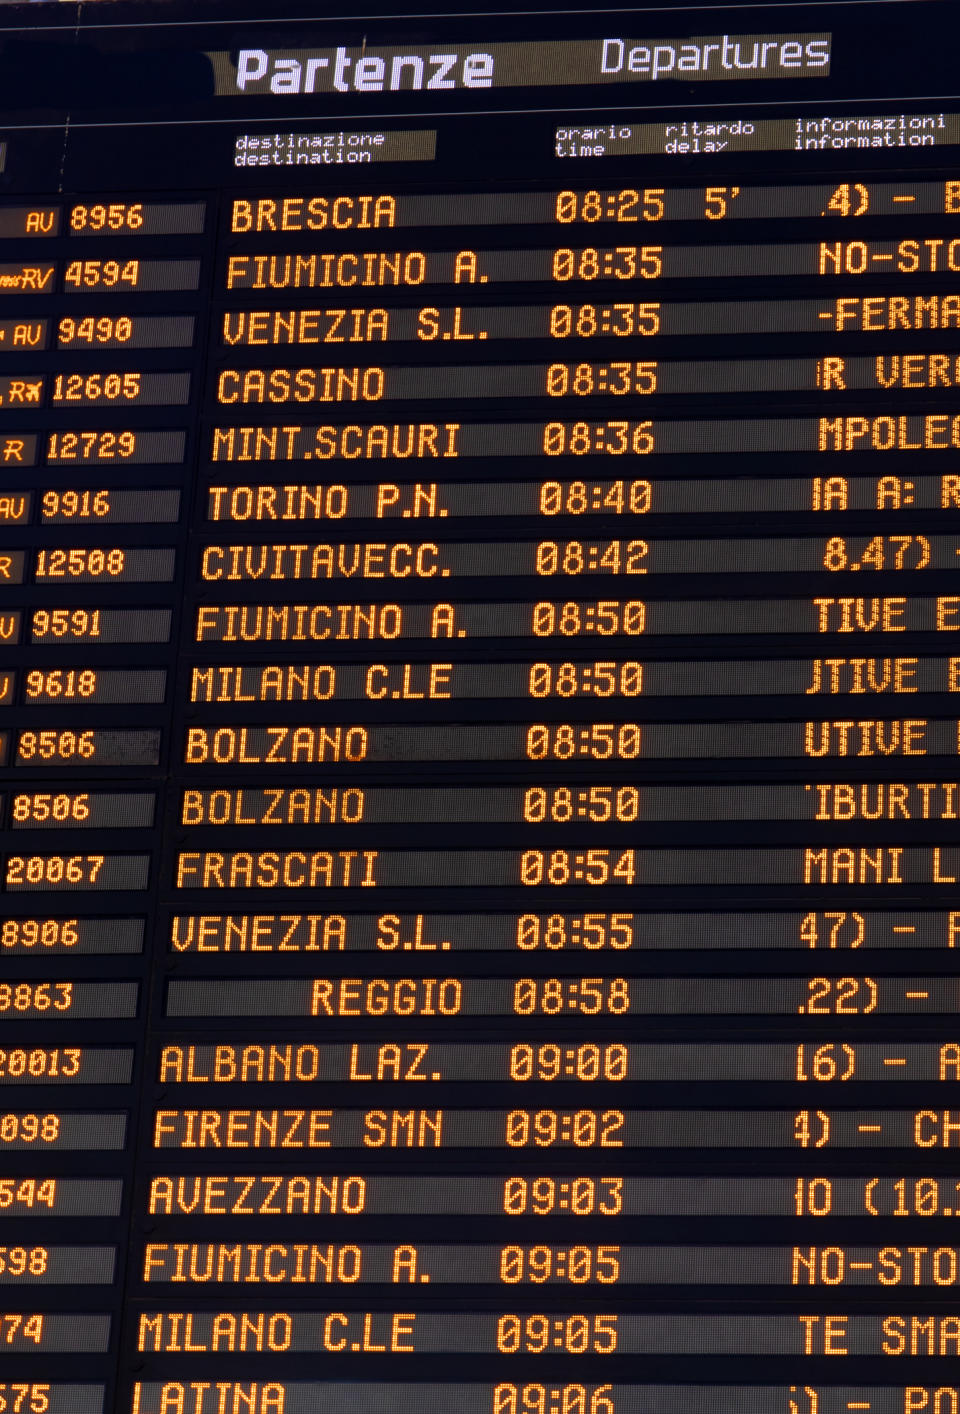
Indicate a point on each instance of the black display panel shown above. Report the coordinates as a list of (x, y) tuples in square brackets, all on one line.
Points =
[(479, 672)]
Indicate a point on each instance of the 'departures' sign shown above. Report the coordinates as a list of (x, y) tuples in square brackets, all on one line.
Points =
[(614, 59)]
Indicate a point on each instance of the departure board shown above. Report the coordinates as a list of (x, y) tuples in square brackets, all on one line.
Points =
[(479, 697)]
